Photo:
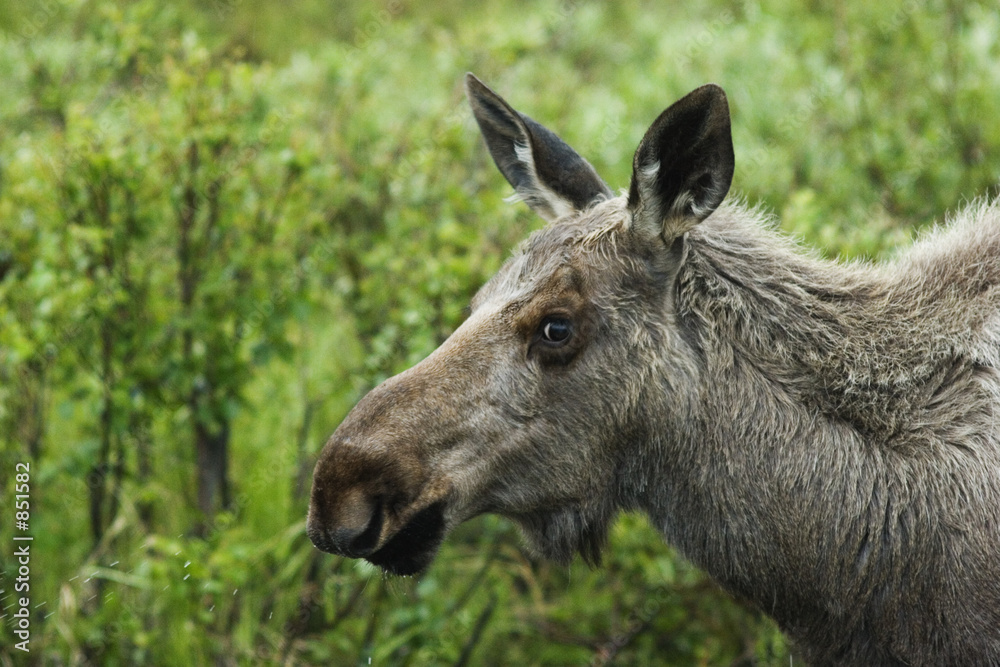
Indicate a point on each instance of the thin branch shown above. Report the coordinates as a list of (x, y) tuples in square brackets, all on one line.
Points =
[(477, 632)]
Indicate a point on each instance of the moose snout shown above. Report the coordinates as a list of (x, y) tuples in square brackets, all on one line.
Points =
[(361, 491), (376, 494), (352, 528)]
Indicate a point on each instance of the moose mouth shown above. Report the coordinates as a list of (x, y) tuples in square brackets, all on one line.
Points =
[(412, 549)]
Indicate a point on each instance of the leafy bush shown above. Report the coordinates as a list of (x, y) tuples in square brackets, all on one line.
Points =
[(221, 223)]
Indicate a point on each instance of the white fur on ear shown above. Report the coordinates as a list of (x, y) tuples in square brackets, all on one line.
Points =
[(546, 173), (542, 199)]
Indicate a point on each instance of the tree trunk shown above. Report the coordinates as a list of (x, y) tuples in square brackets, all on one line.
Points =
[(29, 406), (144, 464), (97, 479), (213, 467)]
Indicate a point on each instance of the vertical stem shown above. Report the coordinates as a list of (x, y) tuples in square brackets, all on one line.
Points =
[(144, 465), (207, 457), (477, 632), (30, 406), (303, 467), (98, 471), (212, 458), (185, 271)]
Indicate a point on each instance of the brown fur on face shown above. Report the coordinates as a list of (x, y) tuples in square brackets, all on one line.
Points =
[(821, 438)]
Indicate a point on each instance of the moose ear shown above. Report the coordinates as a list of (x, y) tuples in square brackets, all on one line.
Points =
[(546, 173), (683, 167)]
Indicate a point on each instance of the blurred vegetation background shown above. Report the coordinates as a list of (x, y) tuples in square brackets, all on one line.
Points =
[(222, 221)]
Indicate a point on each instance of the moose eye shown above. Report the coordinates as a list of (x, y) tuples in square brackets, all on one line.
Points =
[(556, 330)]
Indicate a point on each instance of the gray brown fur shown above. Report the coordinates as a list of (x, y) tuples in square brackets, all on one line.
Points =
[(822, 438)]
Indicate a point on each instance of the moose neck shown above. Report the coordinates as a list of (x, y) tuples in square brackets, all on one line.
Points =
[(766, 493)]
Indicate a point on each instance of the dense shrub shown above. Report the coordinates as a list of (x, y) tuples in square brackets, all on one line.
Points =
[(222, 222)]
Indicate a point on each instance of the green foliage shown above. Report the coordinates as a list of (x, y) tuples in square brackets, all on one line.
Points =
[(235, 217)]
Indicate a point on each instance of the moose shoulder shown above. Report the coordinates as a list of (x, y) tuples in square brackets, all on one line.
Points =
[(822, 438)]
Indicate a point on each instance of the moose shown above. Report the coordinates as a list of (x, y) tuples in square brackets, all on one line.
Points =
[(821, 437)]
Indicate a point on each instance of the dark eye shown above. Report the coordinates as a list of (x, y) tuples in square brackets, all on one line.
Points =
[(556, 330)]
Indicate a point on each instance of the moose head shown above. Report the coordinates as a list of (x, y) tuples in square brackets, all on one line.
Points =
[(536, 406)]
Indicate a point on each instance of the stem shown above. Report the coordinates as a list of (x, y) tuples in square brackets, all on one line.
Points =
[(477, 632)]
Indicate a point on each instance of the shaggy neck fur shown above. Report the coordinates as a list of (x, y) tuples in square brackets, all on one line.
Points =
[(837, 459)]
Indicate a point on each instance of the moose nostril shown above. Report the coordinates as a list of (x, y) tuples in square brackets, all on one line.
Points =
[(356, 543), (353, 527)]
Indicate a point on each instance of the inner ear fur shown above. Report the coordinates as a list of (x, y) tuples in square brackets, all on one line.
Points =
[(684, 165)]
